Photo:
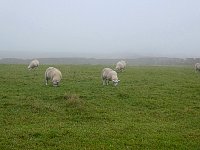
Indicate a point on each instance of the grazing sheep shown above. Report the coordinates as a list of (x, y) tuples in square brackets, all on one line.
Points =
[(109, 75), (54, 75), (120, 66), (197, 67), (33, 64)]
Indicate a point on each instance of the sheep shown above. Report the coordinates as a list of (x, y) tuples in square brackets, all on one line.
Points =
[(33, 64), (120, 66), (54, 75), (109, 75), (197, 67)]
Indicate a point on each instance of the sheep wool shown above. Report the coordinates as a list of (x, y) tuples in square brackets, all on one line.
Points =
[(33, 64), (120, 66), (54, 75), (109, 75), (197, 67)]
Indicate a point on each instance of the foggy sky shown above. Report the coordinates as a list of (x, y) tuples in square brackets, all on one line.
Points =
[(99, 28)]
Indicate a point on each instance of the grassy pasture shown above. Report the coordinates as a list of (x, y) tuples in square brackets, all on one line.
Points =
[(152, 108)]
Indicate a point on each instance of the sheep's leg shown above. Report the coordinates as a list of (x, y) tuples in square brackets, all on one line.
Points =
[(107, 81), (46, 81), (103, 81)]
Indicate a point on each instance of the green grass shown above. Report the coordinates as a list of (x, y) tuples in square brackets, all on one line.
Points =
[(152, 108)]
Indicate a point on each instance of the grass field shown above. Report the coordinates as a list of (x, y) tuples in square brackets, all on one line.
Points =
[(152, 108)]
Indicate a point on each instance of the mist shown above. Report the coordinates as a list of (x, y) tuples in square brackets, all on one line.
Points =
[(99, 29)]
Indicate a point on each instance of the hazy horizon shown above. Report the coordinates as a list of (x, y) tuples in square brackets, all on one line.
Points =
[(99, 29), (105, 55)]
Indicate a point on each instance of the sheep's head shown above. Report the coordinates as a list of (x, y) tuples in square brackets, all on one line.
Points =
[(55, 82), (115, 82)]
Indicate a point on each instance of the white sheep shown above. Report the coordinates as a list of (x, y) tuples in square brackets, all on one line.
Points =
[(120, 66), (54, 75), (109, 75), (33, 64), (197, 67)]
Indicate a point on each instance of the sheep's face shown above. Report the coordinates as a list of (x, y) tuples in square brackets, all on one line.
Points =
[(55, 83), (115, 82)]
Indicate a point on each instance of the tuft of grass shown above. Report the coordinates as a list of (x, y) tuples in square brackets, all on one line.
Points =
[(74, 101)]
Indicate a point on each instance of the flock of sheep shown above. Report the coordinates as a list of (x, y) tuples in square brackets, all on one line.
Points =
[(55, 75), (107, 74)]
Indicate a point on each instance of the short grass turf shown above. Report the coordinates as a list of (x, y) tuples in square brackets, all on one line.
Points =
[(151, 108)]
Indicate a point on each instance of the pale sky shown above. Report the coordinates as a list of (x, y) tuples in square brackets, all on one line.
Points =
[(99, 28)]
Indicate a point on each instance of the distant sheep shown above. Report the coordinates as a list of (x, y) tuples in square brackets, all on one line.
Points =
[(120, 66), (54, 75), (109, 75), (197, 67), (33, 64)]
